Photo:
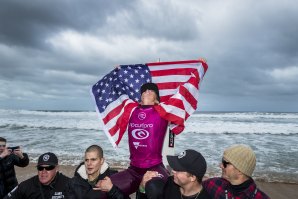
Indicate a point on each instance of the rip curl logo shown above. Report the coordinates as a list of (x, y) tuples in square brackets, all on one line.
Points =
[(140, 134), (46, 157), (142, 116), (182, 154)]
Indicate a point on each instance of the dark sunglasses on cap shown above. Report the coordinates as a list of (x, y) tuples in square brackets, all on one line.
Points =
[(48, 168), (225, 163)]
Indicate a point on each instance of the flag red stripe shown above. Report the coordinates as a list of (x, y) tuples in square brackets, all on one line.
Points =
[(175, 102), (174, 71), (113, 130), (122, 121), (174, 62), (165, 98), (170, 117), (113, 113), (168, 85), (194, 80), (178, 129), (188, 96), (204, 64)]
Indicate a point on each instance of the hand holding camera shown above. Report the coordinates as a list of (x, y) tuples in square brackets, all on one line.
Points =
[(13, 148), (16, 150)]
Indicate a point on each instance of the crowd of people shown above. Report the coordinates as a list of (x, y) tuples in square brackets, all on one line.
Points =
[(92, 178), (146, 174)]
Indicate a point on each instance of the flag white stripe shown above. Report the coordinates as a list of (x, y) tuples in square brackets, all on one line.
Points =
[(188, 108), (116, 103), (201, 72), (165, 92), (174, 66), (174, 110), (170, 78)]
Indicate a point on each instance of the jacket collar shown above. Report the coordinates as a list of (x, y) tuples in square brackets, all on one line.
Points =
[(81, 170)]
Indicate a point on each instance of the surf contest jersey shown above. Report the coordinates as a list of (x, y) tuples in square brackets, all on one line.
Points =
[(146, 132)]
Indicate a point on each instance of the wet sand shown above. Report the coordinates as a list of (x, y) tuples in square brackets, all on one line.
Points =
[(273, 190)]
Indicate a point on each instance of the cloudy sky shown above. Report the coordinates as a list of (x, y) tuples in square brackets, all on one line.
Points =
[(52, 52)]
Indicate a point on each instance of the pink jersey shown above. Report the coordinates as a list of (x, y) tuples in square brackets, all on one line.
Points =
[(146, 132)]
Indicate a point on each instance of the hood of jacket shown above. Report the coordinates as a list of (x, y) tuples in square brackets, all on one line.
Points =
[(81, 170)]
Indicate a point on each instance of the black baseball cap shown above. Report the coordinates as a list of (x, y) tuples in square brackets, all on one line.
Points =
[(47, 159), (190, 161), (150, 86)]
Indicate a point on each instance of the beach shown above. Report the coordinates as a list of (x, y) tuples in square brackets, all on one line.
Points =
[(272, 189), (272, 136)]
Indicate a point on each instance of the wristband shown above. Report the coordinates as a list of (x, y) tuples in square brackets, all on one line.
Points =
[(141, 189)]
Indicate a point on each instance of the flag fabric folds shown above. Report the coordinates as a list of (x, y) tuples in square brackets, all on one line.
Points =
[(118, 93)]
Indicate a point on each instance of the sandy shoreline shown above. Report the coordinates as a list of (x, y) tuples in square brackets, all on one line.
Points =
[(274, 190)]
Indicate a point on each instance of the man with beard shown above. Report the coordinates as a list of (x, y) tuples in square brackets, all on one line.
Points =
[(238, 164)]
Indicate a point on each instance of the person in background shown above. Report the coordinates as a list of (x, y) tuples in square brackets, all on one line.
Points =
[(238, 164), (188, 168), (146, 132), (48, 183), (8, 159), (90, 172)]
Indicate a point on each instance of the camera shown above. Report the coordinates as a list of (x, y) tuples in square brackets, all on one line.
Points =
[(13, 148)]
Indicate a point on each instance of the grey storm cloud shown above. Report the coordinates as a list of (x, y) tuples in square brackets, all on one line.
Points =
[(29, 22), (53, 51)]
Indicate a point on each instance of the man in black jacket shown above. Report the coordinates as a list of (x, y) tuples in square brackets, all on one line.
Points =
[(8, 158), (89, 173), (48, 183), (188, 170)]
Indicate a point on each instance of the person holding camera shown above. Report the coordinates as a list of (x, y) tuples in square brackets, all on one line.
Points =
[(10, 156)]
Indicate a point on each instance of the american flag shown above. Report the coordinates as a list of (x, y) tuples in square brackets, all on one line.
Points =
[(118, 93)]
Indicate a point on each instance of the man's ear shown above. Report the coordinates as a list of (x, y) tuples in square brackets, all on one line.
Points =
[(193, 178), (239, 173), (57, 168), (102, 160)]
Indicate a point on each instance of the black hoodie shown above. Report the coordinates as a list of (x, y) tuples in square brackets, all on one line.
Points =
[(79, 188), (8, 178)]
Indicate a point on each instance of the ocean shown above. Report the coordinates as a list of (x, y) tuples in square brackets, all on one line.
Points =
[(273, 136)]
